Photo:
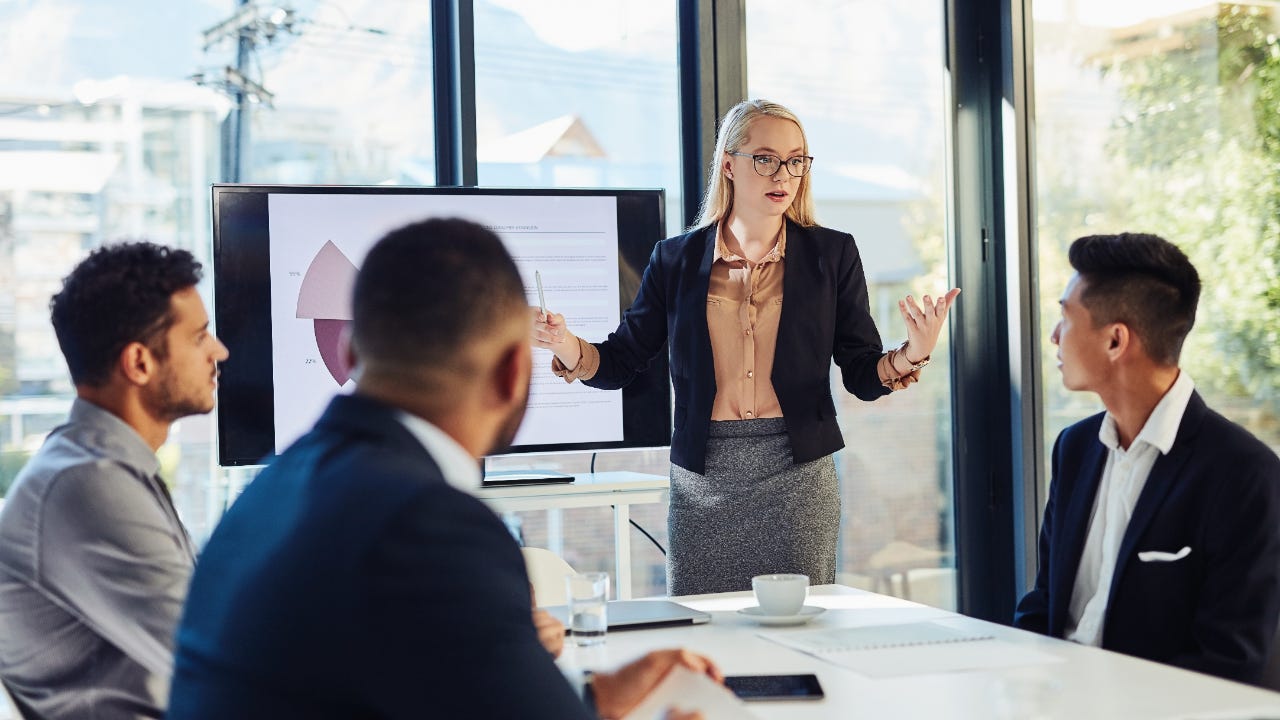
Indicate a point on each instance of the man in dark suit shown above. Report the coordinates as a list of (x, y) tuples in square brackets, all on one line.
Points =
[(357, 576), (1161, 535)]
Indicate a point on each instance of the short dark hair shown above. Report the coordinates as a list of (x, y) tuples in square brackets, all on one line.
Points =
[(117, 295), (425, 289), (1143, 281)]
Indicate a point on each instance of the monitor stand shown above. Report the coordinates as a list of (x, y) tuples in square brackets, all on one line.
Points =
[(496, 478)]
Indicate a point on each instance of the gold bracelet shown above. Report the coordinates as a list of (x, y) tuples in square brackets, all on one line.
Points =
[(902, 350), (893, 381)]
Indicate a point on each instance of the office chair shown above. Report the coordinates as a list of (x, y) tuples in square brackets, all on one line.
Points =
[(547, 571)]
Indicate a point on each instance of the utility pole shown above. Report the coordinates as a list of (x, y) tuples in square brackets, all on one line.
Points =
[(249, 23), (239, 117)]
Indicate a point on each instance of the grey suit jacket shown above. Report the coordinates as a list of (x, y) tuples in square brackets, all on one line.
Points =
[(94, 566)]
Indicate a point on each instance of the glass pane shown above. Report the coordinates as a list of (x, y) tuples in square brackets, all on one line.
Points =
[(866, 79), (579, 94), (104, 135), (582, 94), (1159, 116), (351, 101), (346, 99)]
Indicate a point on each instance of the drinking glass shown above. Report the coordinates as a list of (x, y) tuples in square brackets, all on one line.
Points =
[(588, 594)]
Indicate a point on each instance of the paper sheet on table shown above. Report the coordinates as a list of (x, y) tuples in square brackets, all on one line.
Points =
[(687, 691), (922, 648)]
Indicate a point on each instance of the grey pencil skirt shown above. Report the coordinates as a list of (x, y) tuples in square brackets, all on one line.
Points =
[(754, 512)]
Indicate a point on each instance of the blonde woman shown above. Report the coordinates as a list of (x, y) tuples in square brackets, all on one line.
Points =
[(755, 302)]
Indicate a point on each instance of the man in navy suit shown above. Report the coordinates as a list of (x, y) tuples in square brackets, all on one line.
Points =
[(1161, 535), (358, 576)]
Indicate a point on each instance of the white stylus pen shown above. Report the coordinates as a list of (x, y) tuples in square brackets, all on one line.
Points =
[(542, 299)]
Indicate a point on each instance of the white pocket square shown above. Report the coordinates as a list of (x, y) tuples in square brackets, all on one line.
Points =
[(1158, 556)]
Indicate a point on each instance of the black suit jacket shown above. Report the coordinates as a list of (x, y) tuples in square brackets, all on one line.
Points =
[(350, 581), (1217, 492), (825, 315)]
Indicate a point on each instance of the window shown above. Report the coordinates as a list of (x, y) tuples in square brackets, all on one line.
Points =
[(1159, 117), (866, 80), (120, 139), (350, 94), (578, 95), (583, 95), (102, 137)]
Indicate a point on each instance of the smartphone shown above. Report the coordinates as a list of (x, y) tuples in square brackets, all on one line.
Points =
[(774, 687)]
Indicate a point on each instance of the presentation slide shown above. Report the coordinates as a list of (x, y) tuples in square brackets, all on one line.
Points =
[(319, 240)]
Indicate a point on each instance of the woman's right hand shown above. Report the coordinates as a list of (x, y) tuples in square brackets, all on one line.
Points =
[(551, 333)]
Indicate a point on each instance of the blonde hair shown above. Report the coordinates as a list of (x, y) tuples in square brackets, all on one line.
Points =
[(734, 128)]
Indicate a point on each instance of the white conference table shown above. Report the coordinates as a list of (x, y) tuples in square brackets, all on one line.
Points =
[(1088, 683), (619, 489)]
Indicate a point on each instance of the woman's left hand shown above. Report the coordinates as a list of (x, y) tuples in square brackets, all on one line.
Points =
[(924, 323)]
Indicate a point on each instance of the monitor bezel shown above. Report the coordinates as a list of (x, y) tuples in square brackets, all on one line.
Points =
[(241, 299)]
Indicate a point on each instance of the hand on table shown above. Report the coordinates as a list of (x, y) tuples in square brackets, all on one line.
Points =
[(620, 691), (550, 631)]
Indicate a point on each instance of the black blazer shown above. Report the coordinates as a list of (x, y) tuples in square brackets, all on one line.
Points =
[(825, 315), (349, 580), (1217, 492)]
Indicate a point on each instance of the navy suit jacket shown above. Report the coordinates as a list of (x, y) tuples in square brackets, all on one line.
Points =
[(350, 581), (1217, 492), (825, 314)]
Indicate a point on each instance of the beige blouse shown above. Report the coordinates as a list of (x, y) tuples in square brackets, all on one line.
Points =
[(744, 302)]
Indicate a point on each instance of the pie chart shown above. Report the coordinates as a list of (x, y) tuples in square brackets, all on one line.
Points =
[(325, 300)]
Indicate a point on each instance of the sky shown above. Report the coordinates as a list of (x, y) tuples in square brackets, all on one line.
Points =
[(636, 27)]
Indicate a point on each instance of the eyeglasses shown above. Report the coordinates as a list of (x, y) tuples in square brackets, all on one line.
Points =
[(767, 165)]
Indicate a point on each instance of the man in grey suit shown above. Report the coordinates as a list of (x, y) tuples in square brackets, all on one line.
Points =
[(94, 562)]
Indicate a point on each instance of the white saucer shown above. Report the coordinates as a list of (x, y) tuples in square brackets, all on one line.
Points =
[(807, 613)]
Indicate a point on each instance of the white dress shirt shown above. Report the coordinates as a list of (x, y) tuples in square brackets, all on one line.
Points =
[(460, 470), (1122, 481)]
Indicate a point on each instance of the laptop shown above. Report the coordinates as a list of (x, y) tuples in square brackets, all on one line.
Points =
[(502, 478), (637, 614)]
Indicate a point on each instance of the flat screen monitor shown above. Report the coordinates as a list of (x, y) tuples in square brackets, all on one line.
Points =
[(284, 264)]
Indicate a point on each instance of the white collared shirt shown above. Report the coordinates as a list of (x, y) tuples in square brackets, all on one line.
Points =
[(1122, 481), (460, 470)]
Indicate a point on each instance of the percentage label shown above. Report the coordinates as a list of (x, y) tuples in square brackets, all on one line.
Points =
[(293, 273), (309, 361)]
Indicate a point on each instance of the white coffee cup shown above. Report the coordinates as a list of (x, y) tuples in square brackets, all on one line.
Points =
[(780, 594)]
